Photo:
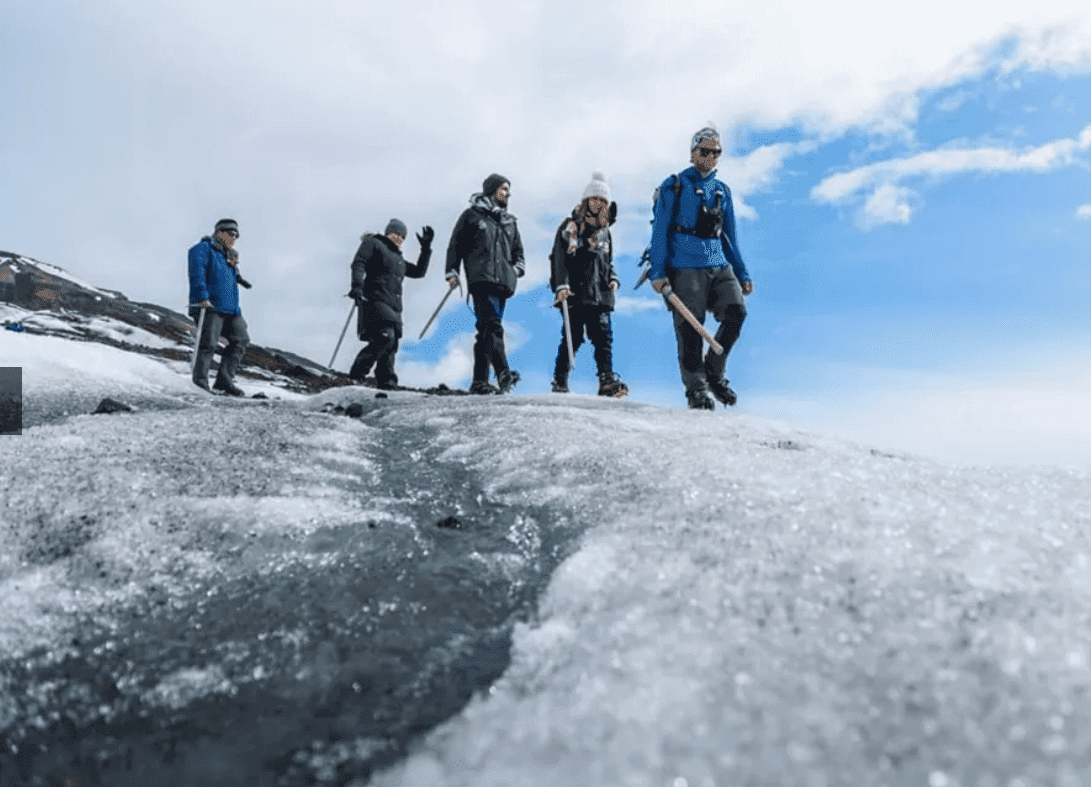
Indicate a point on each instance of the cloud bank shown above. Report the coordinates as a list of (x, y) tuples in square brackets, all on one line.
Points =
[(889, 202)]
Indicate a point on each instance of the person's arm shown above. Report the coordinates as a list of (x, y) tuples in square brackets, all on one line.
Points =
[(662, 213), (615, 282), (558, 271), (454, 250), (424, 238), (199, 259), (517, 260), (359, 268), (731, 246)]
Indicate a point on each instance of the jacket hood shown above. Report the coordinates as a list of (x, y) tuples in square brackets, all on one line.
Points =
[(390, 244), (484, 202)]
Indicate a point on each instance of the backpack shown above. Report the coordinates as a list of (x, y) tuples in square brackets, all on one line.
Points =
[(707, 221), (646, 257)]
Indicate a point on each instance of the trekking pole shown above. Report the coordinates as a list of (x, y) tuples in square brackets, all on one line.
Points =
[(687, 315), (197, 344), (347, 321), (568, 335), (435, 314)]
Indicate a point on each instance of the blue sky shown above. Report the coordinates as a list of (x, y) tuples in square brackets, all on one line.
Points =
[(913, 190)]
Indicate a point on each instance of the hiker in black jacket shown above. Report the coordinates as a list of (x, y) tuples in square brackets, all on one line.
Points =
[(377, 273), (582, 276), (486, 240)]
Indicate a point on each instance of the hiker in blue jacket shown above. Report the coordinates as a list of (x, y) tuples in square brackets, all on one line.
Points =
[(214, 287), (694, 250)]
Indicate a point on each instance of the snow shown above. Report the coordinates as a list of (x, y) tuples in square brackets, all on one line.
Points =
[(81, 325), (748, 603), (61, 273), (761, 605)]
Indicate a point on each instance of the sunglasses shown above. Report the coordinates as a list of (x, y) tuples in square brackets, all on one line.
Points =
[(709, 151), (232, 233)]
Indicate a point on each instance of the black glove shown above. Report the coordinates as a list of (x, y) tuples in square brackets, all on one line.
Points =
[(424, 237), (356, 293), (613, 213), (242, 282)]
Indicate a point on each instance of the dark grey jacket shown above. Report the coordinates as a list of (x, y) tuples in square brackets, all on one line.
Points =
[(588, 272), (377, 272), (486, 240)]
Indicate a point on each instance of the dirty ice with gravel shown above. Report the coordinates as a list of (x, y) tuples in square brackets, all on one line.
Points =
[(519, 590)]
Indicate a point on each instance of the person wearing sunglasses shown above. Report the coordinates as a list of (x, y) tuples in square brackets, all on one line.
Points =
[(694, 252), (214, 305), (486, 241)]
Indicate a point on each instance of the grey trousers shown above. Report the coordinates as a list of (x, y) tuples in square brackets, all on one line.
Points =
[(705, 290), (231, 327)]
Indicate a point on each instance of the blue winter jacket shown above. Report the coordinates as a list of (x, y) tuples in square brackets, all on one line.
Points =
[(212, 279), (679, 250)]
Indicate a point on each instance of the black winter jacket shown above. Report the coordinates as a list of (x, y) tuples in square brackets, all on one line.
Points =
[(377, 272), (486, 239), (589, 271)]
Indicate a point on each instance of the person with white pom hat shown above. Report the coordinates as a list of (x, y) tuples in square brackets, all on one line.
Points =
[(582, 276)]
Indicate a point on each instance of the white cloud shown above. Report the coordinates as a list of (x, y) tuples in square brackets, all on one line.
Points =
[(1083, 212), (888, 204), (758, 170), (1035, 417), (628, 304), (453, 368), (881, 178)]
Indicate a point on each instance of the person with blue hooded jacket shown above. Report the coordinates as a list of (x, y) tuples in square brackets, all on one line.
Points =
[(694, 252), (214, 289)]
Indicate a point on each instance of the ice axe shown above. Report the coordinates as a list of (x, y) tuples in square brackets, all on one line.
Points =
[(687, 315), (568, 335), (343, 330), (197, 344), (435, 314)]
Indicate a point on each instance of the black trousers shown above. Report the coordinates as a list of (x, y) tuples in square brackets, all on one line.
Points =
[(489, 343), (594, 321), (705, 290), (380, 351), (231, 327)]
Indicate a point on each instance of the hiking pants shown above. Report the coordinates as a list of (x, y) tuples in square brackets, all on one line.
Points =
[(229, 326), (489, 343), (595, 322), (380, 350), (705, 290)]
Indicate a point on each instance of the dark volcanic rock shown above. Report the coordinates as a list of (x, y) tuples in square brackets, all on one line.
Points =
[(109, 405)]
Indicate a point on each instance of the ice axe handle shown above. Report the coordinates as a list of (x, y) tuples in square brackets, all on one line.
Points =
[(687, 315), (435, 314), (568, 335), (197, 344), (343, 331)]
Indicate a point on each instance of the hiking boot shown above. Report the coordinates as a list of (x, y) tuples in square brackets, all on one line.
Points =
[(507, 380), (610, 385), (722, 391), (699, 399), (559, 386), (483, 387), (228, 388), (202, 384), (387, 385)]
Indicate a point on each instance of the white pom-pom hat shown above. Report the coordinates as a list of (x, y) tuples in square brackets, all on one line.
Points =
[(598, 187)]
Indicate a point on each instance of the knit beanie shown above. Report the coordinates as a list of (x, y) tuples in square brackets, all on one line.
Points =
[(226, 224), (598, 187), (492, 183), (398, 226), (708, 132)]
